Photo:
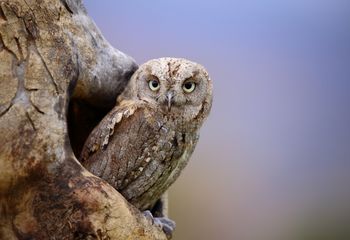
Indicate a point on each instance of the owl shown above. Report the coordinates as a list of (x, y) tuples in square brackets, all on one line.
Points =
[(141, 146)]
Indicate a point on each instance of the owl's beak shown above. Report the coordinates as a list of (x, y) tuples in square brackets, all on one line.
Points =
[(169, 98)]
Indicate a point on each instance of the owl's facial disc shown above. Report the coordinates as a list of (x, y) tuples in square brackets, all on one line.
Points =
[(176, 87)]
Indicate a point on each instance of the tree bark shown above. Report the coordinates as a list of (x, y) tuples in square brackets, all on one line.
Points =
[(51, 52)]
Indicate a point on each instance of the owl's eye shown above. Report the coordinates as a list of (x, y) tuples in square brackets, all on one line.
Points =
[(189, 87), (154, 85)]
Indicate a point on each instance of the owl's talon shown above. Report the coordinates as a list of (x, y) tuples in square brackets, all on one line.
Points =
[(166, 224), (164, 221), (149, 216)]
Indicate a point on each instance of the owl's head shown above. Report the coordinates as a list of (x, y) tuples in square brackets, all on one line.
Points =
[(176, 86)]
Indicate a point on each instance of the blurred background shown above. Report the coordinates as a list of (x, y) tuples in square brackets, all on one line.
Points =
[(273, 160)]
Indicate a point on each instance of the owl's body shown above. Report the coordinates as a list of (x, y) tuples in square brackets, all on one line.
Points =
[(142, 145)]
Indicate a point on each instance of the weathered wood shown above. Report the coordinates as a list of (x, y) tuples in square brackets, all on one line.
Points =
[(48, 50)]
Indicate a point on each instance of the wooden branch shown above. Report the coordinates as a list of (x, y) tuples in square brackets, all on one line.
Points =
[(48, 49)]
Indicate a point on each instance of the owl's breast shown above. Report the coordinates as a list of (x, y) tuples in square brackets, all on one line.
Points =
[(166, 149)]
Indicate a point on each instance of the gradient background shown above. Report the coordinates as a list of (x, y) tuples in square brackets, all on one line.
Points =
[(273, 161)]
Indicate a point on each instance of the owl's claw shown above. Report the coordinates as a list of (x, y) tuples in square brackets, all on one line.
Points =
[(166, 224), (149, 216)]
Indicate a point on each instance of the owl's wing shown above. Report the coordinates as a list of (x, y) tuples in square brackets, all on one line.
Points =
[(100, 136)]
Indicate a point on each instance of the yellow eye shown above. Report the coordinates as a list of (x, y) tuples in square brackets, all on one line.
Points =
[(154, 85), (189, 87)]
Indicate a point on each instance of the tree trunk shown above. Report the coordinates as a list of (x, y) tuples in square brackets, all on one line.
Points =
[(51, 51)]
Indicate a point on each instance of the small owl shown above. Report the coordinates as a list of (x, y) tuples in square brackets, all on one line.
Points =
[(142, 145)]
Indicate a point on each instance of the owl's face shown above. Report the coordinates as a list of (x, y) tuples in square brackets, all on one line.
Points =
[(177, 86)]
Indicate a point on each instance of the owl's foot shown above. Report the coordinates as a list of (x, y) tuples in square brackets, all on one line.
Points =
[(166, 224)]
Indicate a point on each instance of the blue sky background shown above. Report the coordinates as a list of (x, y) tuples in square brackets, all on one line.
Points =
[(274, 156)]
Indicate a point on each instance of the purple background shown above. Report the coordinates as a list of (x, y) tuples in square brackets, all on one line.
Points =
[(273, 160)]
